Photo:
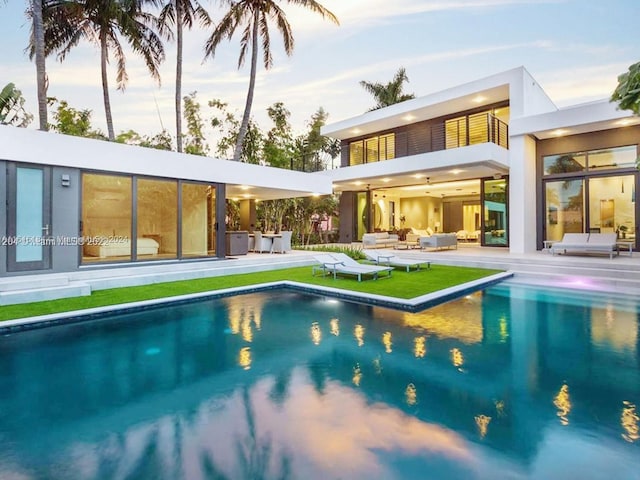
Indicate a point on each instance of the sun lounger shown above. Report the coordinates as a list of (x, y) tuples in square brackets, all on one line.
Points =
[(392, 260), (335, 263), (587, 243)]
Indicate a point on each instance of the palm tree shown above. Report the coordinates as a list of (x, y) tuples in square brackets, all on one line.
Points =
[(12, 110), (41, 71), (104, 23), (253, 16), (390, 93), (180, 13), (34, 10)]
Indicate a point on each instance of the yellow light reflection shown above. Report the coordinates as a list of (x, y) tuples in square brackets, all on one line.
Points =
[(457, 358), (504, 331), (482, 422), (316, 333), (411, 395), (247, 333), (420, 347), (499, 408), (386, 341), (630, 422), (335, 326), (562, 402), (357, 375), (358, 332), (377, 365), (244, 358)]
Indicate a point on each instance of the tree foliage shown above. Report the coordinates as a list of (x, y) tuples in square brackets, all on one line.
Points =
[(253, 18), (195, 143), (389, 93), (627, 93), (12, 110), (71, 121), (104, 23), (179, 14)]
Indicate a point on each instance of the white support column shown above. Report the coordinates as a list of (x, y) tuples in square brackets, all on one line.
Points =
[(522, 194)]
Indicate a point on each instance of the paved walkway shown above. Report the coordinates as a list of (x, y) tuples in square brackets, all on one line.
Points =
[(620, 274)]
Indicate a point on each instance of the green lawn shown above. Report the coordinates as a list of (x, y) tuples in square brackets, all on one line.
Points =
[(400, 285)]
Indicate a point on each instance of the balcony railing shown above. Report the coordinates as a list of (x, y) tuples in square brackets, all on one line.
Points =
[(469, 130)]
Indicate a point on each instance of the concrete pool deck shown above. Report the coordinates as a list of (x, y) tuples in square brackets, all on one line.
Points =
[(618, 275)]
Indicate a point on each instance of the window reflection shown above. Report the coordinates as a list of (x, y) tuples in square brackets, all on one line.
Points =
[(562, 402), (386, 341), (419, 347), (244, 358), (157, 219), (358, 332), (411, 395), (198, 220), (630, 422)]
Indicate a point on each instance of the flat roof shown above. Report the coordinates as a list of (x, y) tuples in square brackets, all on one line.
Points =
[(243, 180)]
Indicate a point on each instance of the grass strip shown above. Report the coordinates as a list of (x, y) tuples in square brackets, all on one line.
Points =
[(401, 285)]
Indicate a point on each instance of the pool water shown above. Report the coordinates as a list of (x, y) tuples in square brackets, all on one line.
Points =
[(512, 382)]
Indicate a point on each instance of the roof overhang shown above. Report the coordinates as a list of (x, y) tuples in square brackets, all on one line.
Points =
[(471, 162), (243, 180), (575, 120)]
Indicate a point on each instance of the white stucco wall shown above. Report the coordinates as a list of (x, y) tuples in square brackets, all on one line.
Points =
[(522, 194), (46, 148)]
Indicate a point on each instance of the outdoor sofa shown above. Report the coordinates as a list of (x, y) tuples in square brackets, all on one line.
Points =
[(439, 240), (587, 243), (334, 263), (379, 239)]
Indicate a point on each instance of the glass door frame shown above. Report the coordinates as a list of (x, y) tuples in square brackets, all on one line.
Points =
[(15, 238), (587, 199)]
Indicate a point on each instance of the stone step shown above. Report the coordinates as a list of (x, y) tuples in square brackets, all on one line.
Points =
[(33, 281), (43, 294)]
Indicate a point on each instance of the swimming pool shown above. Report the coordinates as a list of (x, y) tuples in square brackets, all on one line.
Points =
[(509, 382)]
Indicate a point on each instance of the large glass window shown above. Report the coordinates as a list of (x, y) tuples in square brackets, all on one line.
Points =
[(372, 149), (612, 206), (609, 158), (621, 157), (495, 212), (564, 208), (356, 153), (106, 217), (198, 220), (157, 219)]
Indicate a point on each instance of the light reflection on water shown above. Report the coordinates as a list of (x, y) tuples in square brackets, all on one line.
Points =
[(512, 382)]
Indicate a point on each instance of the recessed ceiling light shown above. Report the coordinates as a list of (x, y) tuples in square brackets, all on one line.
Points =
[(356, 131), (386, 180), (456, 171), (358, 183), (559, 132), (245, 187), (625, 121), (418, 175), (479, 99), (409, 117)]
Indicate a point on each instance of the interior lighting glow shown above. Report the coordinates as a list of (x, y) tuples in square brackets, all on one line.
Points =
[(419, 347), (316, 333), (479, 99), (559, 132), (357, 375)]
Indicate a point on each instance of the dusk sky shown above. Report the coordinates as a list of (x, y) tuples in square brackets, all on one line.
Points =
[(575, 49)]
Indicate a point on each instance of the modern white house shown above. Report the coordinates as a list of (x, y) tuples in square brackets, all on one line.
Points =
[(75, 203), (493, 160)]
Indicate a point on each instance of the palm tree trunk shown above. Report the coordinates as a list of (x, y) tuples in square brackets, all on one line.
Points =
[(105, 86), (41, 72), (252, 83), (179, 76)]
